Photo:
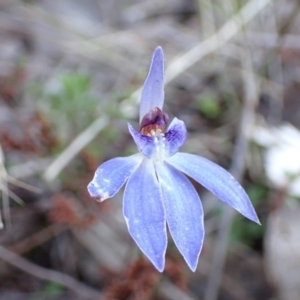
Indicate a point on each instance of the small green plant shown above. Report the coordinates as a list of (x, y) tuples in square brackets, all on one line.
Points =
[(53, 289), (73, 107), (208, 105)]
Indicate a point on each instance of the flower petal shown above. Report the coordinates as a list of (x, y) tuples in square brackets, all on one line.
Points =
[(175, 136), (153, 89), (183, 211), (144, 213), (111, 176), (144, 143), (216, 179)]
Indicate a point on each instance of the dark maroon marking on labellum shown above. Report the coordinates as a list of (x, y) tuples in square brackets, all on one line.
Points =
[(155, 120)]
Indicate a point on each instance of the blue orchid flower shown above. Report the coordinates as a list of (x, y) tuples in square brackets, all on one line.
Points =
[(157, 192)]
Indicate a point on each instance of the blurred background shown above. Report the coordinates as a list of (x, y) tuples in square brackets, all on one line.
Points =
[(70, 78)]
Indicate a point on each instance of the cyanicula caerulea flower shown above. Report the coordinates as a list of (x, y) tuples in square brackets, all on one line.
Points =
[(157, 192)]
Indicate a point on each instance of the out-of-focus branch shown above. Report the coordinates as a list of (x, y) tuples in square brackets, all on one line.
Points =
[(206, 14), (74, 148), (38, 238), (221, 37), (29, 168), (3, 191), (50, 275), (237, 170), (276, 74)]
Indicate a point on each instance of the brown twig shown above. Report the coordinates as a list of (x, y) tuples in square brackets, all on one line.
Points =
[(49, 275), (38, 238)]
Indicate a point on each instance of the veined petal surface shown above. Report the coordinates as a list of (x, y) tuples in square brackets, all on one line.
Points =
[(183, 211), (111, 176), (216, 179), (144, 213), (175, 136), (153, 89)]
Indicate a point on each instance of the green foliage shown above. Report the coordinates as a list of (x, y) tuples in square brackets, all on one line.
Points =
[(73, 106), (208, 105), (53, 289), (257, 193), (246, 231), (70, 107)]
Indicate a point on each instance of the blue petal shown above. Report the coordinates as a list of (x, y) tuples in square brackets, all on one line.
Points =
[(153, 89), (217, 180), (160, 146), (111, 176), (175, 136), (144, 143), (184, 212), (144, 213)]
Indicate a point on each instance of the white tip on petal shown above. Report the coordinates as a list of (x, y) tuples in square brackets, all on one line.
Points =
[(111, 176)]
